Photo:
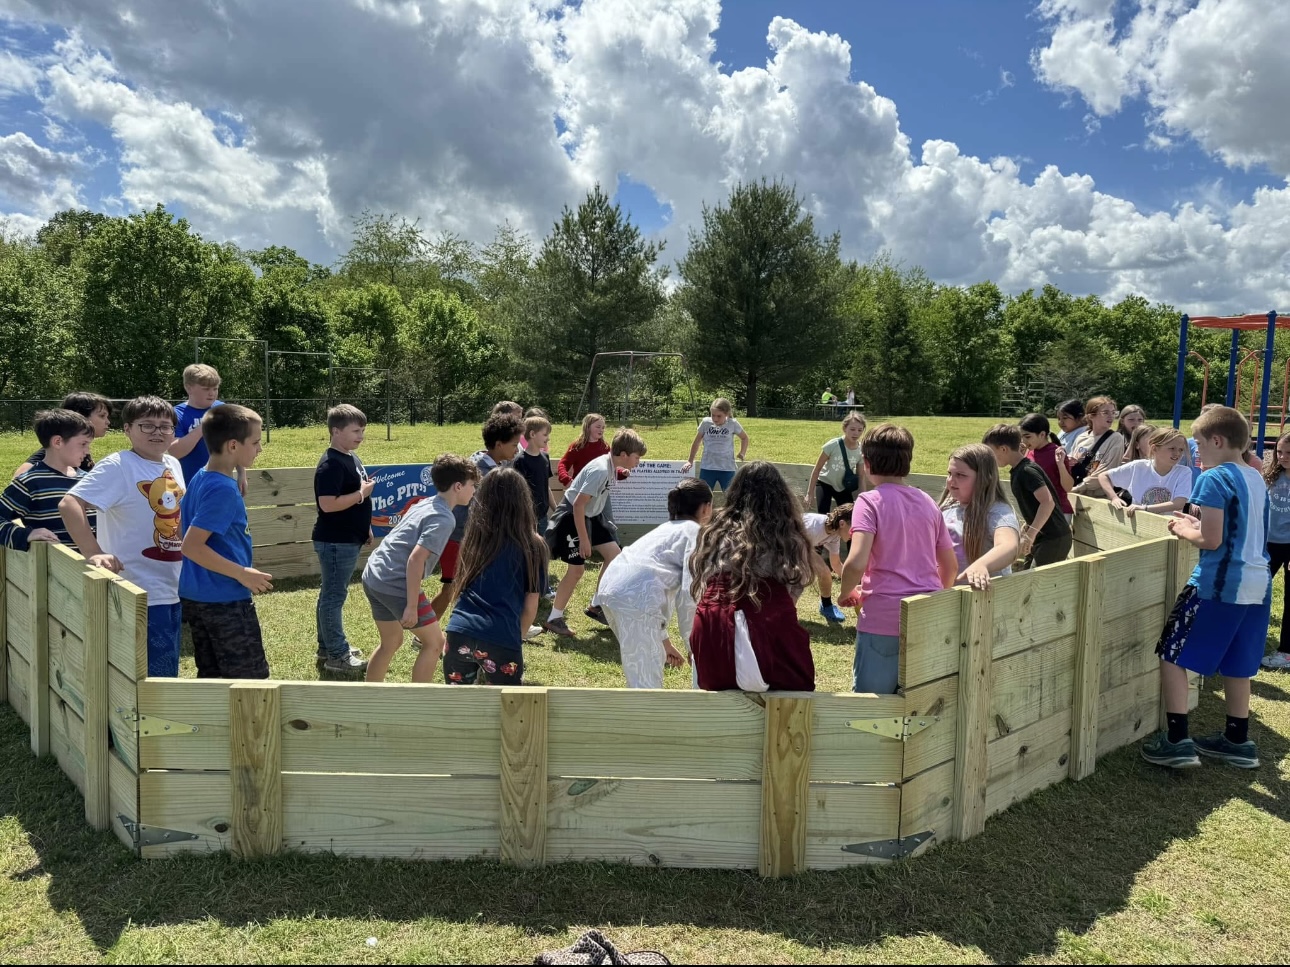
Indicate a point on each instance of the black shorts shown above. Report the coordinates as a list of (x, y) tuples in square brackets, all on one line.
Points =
[(227, 642), (466, 657), (563, 540)]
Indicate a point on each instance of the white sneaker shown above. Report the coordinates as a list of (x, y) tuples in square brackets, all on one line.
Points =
[(1277, 661), (533, 632)]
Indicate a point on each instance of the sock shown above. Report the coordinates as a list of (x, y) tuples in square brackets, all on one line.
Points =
[(1238, 730), (556, 614), (1177, 726), (825, 601)]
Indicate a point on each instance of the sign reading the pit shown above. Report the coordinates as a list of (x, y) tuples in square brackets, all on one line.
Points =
[(397, 489), (642, 497)]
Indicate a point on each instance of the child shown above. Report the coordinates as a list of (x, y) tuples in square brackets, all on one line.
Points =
[(899, 546), (837, 474), (981, 522), (1131, 417), (534, 466), (1140, 443), (96, 409), (1220, 621), (717, 433), (578, 525), (1159, 485), (29, 505), (826, 533), (501, 571), (1045, 448), (1070, 420), (394, 571), (1046, 538), (1098, 449), (201, 383), (343, 494), (586, 446), (1278, 483), (750, 564), (138, 494), (649, 581), (216, 579), (535, 411), (501, 435)]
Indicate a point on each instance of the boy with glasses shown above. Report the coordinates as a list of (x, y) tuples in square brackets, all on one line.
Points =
[(137, 493)]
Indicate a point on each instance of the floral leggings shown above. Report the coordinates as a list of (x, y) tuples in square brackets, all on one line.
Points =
[(466, 657)]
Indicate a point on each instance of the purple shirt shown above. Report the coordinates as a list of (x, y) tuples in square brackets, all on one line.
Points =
[(908, 530)]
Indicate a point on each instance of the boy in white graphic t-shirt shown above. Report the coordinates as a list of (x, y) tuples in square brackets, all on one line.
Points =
[(137, 493)]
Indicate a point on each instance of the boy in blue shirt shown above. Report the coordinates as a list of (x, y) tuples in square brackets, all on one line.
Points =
[(1220, 621), (216, 580), (201, 383)]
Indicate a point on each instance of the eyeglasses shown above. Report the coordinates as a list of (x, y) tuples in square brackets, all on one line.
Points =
[(165, 429)]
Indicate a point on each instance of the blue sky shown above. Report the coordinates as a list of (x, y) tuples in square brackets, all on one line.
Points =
[(273, 123)]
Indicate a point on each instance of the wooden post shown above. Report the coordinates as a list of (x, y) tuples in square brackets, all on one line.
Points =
[(38, 685), (1088, 667), (98, 809), (255, 767), (785, 784), (523, 775), (4, 627), (972, 753)]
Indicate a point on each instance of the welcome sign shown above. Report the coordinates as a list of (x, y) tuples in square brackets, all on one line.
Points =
[(397, 489)]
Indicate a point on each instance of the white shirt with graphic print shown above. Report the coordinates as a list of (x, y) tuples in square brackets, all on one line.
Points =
[(719, 443)]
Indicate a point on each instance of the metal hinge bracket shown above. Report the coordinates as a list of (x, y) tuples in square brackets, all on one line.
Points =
[(151, 725), (892, 849), (153, 835), (895, 728)]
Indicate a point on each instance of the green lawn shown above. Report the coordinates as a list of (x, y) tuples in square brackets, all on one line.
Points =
[(1133, 864)]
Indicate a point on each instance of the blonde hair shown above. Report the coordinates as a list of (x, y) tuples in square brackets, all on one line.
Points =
[(986, 492), (1225, 422), (199, 374), (1129, 410), (1143, 432), (1164, 437), (584, 437), (1093, 405), (722, 405), (855, 416)]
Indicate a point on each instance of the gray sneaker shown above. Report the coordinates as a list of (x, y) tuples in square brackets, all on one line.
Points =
[(559, 627), (1243, 755), (1159, 751), (349, 664)]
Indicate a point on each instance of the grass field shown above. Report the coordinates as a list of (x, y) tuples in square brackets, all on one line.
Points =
[(1133, 864)]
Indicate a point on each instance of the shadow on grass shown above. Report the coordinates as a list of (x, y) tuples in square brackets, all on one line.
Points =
[(1057, 862)]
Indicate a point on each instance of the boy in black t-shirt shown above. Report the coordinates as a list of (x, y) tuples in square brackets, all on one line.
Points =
[(1046, 538), (343, 492), (534, 466)]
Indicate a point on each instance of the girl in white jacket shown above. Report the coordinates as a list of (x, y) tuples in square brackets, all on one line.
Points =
[(649, 581)]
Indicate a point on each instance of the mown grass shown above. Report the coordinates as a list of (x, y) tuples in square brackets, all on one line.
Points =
[(1131, 865)]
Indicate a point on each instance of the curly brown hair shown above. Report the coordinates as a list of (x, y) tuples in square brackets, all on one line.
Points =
[(758, 535)]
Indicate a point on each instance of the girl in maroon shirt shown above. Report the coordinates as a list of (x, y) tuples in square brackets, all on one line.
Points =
[(588, 445), (1045, 449)]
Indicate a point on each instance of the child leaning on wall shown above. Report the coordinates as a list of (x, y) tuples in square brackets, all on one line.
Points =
[(650, 581), (716, 435), (1220, 621), (982, 524), (1046, 538), (217, 579), (750, 565), (1159, 484), (29, 504), (138, 494), (900, 547)]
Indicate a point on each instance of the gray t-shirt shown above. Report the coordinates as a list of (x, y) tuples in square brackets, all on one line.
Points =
[(428, 524), (594, 480), (719, 443), (1000, 515)]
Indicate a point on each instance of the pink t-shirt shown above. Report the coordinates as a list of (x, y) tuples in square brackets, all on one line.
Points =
[(907, 530)]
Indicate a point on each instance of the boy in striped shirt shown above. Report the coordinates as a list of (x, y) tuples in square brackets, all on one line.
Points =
[(1219, 623), (29, 505)]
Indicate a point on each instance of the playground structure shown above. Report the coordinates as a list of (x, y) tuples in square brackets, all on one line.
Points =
[(1263, 361), (261, 347), (1006, 692)]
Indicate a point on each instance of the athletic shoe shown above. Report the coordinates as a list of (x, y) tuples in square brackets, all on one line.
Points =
[(1278, 661), (597, 613), (1242, 755), (832, 614), (1159, 751), (559, 626), (533, 632), (347, 665), (322, 655)]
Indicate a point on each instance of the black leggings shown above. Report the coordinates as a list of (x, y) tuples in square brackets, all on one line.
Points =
[(826, 497), (1279, 555)]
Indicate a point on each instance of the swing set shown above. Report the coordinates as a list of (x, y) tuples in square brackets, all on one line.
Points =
[(1262, 362)]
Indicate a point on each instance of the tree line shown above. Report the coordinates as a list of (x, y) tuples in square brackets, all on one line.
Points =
[(763, 306)]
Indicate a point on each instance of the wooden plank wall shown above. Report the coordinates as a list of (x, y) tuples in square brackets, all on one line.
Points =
[(779, 783), (74, 645)]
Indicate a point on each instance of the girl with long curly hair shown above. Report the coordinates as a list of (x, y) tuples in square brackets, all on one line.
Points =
[(749, 566)]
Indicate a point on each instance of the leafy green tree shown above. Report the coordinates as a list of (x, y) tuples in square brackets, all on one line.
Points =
[(388, 250), (762, 289), (893, 370), (63, 235), (151, 287), (447, 351), (966, 341), (39, 300), (594, 288)]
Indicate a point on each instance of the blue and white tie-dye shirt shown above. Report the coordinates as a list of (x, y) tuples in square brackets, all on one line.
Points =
[(1235, 572)]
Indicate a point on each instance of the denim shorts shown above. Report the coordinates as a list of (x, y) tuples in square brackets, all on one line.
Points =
[(877, 664), (164, 622)]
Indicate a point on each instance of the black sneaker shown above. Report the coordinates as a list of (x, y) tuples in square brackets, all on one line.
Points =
[(346, 665), (597, 613)]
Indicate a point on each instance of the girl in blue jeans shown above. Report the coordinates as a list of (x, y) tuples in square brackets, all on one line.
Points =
[(717, 435)]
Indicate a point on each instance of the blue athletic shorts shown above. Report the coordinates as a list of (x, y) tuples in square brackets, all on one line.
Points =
[(715, 478), (1209, 636)]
